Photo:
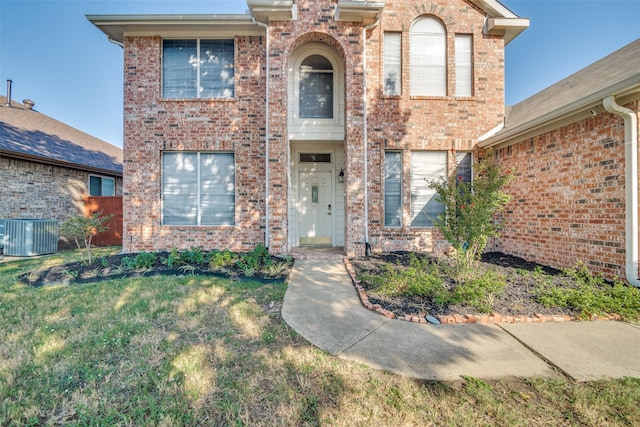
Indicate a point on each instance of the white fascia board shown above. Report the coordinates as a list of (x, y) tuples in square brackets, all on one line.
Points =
[(509, 27), (272, 10), (117, 26), (366, 12), (553, 119)]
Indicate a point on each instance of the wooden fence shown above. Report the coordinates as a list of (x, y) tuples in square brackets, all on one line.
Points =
[(106, 206)]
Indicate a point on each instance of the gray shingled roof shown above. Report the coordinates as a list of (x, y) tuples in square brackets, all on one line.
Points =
[(32, 135), (614, 74)]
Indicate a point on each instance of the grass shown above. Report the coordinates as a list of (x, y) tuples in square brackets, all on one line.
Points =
[(206, 351)]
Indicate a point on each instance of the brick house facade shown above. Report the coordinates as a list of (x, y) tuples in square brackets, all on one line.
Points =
[(402, 92)]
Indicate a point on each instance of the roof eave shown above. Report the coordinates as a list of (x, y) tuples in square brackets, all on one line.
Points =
[(272, 10), (510, 28), (116, 27), (367, 12), (61, 163), (626, 88)]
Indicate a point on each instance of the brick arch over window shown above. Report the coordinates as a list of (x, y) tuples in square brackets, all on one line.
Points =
[(434, 10), (317, 37)]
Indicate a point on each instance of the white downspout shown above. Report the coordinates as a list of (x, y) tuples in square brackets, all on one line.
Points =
[(367, 245), (631, 185), (266, 137)]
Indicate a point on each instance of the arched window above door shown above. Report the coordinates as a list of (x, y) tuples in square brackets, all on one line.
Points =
[(316, 88)]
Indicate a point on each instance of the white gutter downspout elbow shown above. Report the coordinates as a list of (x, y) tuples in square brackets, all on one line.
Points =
[(631, 185), (266, 137), (116, 42), (367, 245)]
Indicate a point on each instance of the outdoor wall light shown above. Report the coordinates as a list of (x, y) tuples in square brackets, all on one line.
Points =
[(341, 175)]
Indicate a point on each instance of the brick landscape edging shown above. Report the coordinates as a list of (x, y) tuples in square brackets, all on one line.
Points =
[(462, 319)]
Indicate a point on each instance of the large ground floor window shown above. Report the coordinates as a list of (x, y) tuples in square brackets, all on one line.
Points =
[(426, 166), (198, 188)]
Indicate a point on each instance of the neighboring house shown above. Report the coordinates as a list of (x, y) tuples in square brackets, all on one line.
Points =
[(47, 168), (574, 147), (312, 123)]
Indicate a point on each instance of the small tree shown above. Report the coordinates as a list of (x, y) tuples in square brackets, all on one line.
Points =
[(469, 218), (82, 229)]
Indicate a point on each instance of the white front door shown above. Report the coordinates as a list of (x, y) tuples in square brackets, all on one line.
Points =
[(315, 209)]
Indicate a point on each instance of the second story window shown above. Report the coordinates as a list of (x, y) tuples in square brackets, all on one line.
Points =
[(316, 88), (428, 58), (198, 68), (392, 63), (464, 65)]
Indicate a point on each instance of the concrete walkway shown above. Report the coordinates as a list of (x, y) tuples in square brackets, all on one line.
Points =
[(321, 304)]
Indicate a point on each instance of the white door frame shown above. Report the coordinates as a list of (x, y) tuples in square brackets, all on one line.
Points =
[(311, 168)]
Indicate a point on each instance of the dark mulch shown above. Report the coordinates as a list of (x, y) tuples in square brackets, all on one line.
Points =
[(517, 299), (108, 267)]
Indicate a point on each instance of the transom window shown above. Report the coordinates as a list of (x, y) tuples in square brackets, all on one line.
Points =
[(198, 188), (316, 88), (101, 186), (428, 58), (198, 68)]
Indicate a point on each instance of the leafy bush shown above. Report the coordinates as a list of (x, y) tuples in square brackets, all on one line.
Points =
[(82, 229), (469, 218), (194, 256), (480, 292), (222, 259)]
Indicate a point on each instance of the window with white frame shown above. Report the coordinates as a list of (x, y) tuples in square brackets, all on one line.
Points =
[(392, 64), (198, 68), (101, 186), (428, 58), (464, 65), (426, 166), (316, 88), (393, 189), (198, 188)]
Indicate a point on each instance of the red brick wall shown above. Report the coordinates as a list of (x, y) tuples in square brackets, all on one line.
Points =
[(152, 125), (568, 196), (427, 123)]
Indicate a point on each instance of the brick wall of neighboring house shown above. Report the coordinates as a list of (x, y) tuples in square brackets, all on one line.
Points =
[(39, 191), (152, 125), (408, 123), (568, 196)]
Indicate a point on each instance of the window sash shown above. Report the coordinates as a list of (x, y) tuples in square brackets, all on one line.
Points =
[(428, 58), (464, 65), (464, 170), (198, 68), (101, 186), (316, 94), (425, 167), (393, 189), (198, 189), (392, 64)]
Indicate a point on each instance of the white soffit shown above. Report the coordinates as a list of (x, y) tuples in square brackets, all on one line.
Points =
[(116, 27)]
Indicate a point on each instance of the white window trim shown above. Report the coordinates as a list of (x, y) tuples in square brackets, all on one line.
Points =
[(316, 128), (411, 190), (468, 71)]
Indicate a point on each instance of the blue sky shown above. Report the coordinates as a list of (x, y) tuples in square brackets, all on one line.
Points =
[(58, 59)]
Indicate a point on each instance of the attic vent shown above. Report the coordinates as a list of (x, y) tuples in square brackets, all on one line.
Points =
[(28, 104)]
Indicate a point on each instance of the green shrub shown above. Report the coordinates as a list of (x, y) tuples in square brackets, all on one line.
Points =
[(194, 256), (593, 296), (222, 259), (480, 292)]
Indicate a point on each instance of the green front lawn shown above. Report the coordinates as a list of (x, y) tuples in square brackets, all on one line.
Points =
[(208, 351)]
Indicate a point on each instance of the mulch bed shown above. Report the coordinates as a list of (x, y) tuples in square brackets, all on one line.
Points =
[(516, 304), (104, 268)]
